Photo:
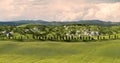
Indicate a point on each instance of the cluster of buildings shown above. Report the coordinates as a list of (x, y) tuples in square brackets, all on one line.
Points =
[(83, 32)]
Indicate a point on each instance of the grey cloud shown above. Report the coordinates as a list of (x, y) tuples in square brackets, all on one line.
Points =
[(61, 10)]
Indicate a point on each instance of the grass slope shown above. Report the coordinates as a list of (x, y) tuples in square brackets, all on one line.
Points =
[(60, 52)]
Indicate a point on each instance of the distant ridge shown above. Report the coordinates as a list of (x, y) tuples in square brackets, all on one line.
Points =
[(41, 22)]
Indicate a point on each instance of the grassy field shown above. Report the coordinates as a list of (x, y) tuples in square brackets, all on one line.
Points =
[(60, 52)]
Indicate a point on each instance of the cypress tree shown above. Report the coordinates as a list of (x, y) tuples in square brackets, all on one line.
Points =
[(80, 37), (72, 38), (33, 36), (89, 38), (115, 37), (97, 37), (45, 38), (109, 37)]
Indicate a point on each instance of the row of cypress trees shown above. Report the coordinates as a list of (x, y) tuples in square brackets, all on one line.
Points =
[(63, 38)]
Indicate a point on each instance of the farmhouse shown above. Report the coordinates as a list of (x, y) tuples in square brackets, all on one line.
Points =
[(6, 33), (94, 33), (90, 33)]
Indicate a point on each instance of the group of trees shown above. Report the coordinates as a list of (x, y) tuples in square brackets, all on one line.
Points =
[(61, 32)]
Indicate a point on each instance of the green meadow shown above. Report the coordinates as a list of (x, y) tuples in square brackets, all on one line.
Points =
[(60, 52)]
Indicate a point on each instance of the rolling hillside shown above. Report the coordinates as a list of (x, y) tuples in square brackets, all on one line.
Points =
[(89, 22)]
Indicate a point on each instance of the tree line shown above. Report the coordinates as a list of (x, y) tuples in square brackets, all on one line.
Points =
[(67, 33)]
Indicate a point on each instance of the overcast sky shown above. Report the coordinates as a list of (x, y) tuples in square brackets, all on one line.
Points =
[(60, 10)]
